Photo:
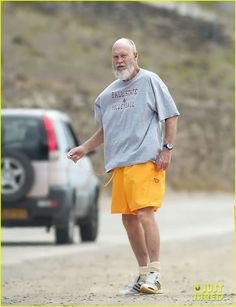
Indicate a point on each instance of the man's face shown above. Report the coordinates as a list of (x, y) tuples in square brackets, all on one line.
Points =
[(124, 62)]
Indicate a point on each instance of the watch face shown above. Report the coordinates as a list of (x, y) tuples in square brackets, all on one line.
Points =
[(168, 146)]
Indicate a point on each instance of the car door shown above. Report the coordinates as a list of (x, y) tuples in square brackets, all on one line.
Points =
[(79, 173)]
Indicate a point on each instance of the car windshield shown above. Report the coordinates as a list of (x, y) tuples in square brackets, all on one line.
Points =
[(25, 134)]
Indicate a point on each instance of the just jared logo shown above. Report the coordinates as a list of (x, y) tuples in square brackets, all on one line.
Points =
[(208, 292)]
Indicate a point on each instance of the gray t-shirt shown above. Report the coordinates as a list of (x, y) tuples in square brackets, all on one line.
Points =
[(130, 113)]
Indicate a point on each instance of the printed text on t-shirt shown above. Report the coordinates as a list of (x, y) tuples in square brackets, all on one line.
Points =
[(123, 105), (124, 93)]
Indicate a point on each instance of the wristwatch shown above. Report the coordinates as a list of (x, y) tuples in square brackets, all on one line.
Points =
[(168, 146)]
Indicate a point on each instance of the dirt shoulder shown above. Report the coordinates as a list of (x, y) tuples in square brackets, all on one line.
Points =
[(95, 278)]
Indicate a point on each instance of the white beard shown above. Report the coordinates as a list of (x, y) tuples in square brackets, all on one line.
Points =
[(124, 74)]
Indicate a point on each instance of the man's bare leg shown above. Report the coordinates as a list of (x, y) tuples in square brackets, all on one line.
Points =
[(151, 232), (136, 237)]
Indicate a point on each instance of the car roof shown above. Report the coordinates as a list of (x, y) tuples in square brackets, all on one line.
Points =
[(54, 114)]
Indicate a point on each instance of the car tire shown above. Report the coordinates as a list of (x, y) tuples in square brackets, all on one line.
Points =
[(65, 234), (89, 228), (17, 175)]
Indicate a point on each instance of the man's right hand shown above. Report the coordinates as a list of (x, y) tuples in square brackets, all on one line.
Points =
[(76, 153)]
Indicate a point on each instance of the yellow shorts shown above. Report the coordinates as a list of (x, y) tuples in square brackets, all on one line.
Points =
[(137, 186)]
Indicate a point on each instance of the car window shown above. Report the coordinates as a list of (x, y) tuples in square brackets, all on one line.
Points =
[(24, 134), (72, 133), (71, 140)]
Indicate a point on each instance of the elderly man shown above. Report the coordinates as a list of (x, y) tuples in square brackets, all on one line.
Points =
[(137, 148)]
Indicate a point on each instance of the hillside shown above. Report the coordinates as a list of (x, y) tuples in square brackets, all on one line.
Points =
[(57, 55)]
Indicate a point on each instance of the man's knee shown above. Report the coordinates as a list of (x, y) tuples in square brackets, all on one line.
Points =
[(129, 221), (145, 215)]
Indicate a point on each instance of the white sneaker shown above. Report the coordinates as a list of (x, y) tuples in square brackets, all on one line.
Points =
[(134, 288), (152, 285)]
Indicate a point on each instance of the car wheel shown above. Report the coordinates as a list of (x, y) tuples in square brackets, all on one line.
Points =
[(65, 234), (17, 175), (89, 228)]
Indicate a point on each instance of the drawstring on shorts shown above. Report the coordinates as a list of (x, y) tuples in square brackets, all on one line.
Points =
[(101, 174), (109, 181)]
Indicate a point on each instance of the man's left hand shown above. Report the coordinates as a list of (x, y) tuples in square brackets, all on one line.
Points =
[(163, 159)]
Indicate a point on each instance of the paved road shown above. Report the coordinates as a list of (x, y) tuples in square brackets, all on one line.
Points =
[(196, 233), (183, 216)]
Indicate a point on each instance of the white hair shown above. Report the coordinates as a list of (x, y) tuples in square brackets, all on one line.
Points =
[(124, 74), (130, 42)]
